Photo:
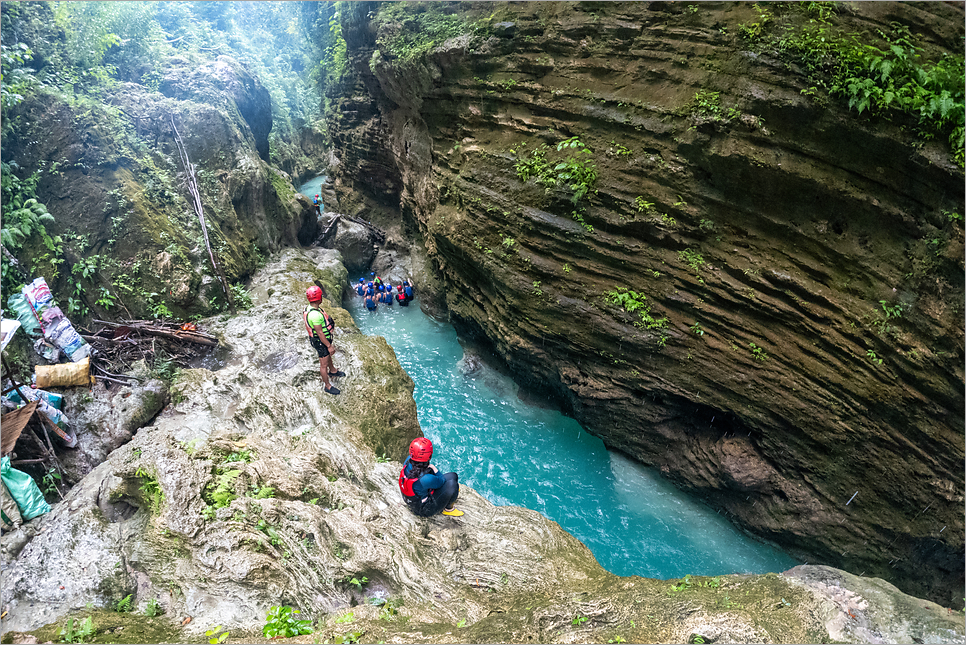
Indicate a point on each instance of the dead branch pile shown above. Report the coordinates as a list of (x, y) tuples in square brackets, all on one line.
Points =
[(119, 345)]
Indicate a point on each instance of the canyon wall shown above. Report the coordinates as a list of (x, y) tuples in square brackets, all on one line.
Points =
[(760, 293)]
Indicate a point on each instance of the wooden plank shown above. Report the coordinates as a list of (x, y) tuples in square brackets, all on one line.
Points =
[(13, 424)]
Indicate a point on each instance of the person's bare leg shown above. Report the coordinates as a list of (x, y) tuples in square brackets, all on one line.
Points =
[(324, 369)]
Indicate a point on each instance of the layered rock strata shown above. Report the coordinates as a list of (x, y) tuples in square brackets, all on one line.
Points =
[(761, 294)]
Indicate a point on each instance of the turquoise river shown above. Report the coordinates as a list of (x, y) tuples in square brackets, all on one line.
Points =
[(513, 452)]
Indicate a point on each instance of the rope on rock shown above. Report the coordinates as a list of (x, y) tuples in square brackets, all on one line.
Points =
[(191, 181)]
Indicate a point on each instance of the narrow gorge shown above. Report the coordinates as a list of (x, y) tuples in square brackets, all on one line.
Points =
[(725, 238)]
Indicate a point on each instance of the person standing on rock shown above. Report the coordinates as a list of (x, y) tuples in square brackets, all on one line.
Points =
[(425, 490), (318, 205), (320, 326)]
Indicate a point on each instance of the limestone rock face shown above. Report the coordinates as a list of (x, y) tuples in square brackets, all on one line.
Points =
[(108, 421), (763, 297), (119, 180), (225, 76), (254, 488)]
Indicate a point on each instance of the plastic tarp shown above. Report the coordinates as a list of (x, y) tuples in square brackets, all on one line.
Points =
[(9, 511), (25, 314), (24, 491), (8, 327)]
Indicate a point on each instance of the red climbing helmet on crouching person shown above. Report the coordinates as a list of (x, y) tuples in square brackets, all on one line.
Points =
[(314, 294), (421, 449)]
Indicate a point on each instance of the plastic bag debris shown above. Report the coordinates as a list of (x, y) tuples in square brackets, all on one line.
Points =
[(25, 314), (54, 399), (8, 327), (55, 326), (64, 375), (9, 511), (63, 335), (47, 351), (24, 491)]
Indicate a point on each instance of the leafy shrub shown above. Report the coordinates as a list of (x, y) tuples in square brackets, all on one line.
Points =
[(79, 634), (281, 623), (632, 302)]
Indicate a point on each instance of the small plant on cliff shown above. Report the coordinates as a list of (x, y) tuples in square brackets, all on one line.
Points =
[(124, 605), (643, 206), (153, 608), (241, 296), (707, 105), (575, 171), (633, 302), (282, 623), (579, 620), (79, 634), (151, 489), (758, 353), (870, 354), (536, 289), (692, 258), (214, 636), (697, 330)]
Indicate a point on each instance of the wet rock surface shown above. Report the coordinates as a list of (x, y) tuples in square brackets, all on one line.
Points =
[(107, 417), (254, 488), (770, 242)]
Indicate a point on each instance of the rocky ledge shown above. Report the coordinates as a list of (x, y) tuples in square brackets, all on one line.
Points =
[(254, 488)]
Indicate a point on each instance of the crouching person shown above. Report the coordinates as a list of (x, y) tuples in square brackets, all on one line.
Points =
[(426, 490)]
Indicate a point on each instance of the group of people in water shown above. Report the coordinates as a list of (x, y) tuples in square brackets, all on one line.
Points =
[(376, 292), (424, 489)]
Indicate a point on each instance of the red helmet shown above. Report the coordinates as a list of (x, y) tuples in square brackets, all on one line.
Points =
[(314, 294), (399, 287), (421, 449)]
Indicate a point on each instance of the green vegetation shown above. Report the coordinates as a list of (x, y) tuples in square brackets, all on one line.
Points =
[(880, 73), (83, 631), (282, 623), (758, 353), (417, 28), (153, 608), (707, 105), (579, 620), (697, 329), (643, 206), (124, 605), (633, 302), (692, 258), (213, 635), (870, 354), (151, 490), (575, 170), (688, 581), (24, 219)]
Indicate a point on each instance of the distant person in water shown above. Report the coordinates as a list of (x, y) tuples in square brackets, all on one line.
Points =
[(401, 297), (370, 300), (425, 490), (388, 295), (361, 287), (318, 205), (320, 328), (408, 287)]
